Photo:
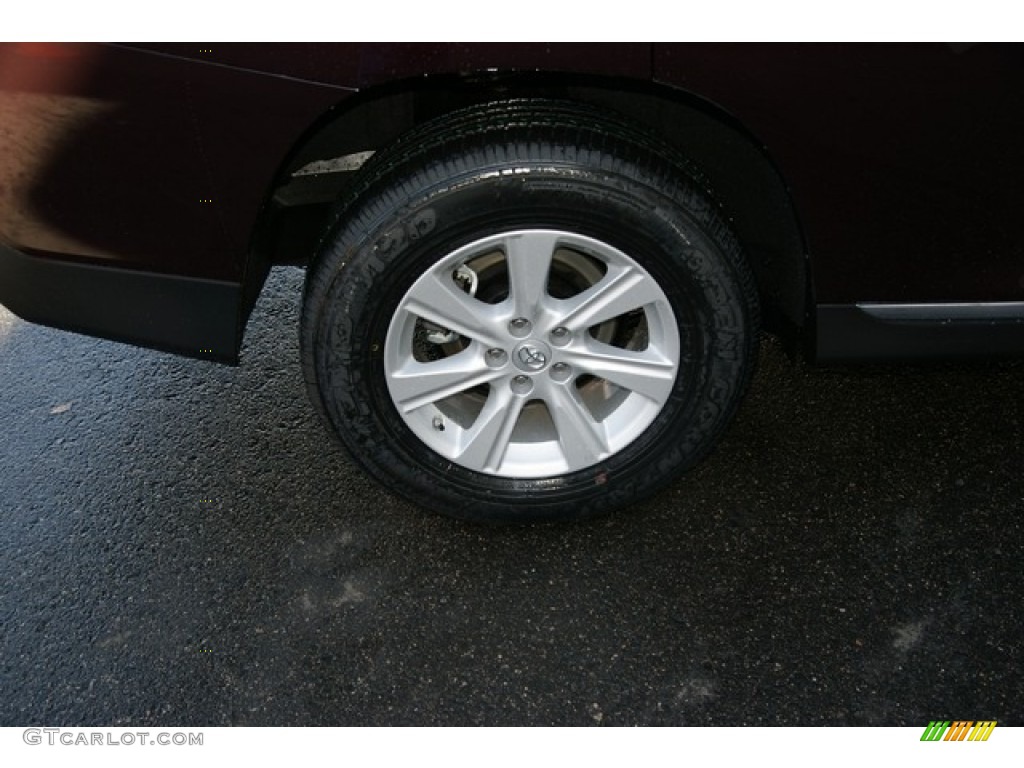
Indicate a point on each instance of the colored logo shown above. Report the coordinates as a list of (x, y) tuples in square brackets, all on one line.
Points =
[(958, 730)]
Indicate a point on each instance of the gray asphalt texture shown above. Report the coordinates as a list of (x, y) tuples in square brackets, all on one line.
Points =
[(184, 545)]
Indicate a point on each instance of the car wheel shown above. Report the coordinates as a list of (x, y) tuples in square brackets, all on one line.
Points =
[(528, 311)]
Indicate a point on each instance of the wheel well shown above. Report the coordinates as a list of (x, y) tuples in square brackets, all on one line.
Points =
[(741, 175)]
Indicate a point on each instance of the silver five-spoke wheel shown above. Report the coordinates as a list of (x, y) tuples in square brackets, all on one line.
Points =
[(528, 311), (531, 353)]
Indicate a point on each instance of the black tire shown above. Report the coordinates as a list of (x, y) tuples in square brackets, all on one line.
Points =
[(490, 188)]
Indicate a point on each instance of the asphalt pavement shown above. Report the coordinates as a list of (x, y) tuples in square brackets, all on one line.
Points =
[(182, 544)]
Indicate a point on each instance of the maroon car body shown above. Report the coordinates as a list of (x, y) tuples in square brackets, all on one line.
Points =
[(864, 202), (145, 188)]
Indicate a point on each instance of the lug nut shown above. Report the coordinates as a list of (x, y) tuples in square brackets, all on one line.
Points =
[(561, 372), (521, 385), (560, 336), (496, 357), (519, 327)]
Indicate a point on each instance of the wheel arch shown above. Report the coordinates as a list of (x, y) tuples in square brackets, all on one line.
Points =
[(742, 176)]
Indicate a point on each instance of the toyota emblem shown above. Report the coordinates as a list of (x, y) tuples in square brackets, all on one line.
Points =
[(532, 357)]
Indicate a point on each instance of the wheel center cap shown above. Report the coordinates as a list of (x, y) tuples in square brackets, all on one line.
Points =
[(531, 356)]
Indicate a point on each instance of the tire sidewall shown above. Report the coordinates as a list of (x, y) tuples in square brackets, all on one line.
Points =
[(404, 236)]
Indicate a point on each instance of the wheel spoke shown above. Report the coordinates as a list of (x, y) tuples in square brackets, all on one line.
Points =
[(483, 445), (621, 290), (416, 384), (528, 258), (582, 439), (646, 373), (437, 299)]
